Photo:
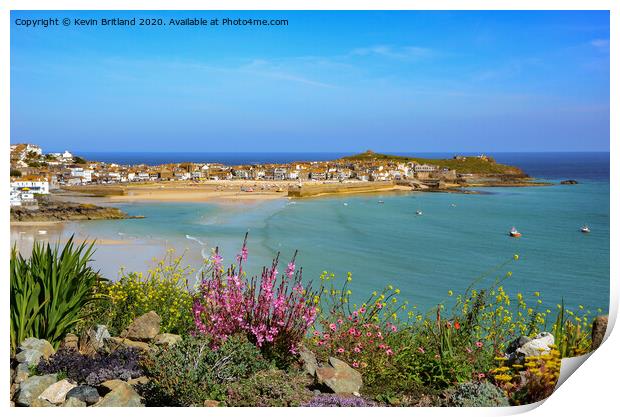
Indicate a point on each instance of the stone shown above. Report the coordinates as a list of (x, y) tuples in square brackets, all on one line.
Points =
[(599, 327), (31, 388), (74, 402), (167, 339), (114, 343), (123, 395), (142, 380), (22, 372), (40, 402), (71, 342), (32, 350), (308, 360), (143, 328), (569, 182), (339, 377), (94, 339), (84, 393), (211, 403), (56, 393), (107, 386), (523, 347)]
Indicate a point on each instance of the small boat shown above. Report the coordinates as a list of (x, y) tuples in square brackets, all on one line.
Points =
[(381, 201), (418, 212), (514, 232), (452, 205), (585, 229), (345, 204)]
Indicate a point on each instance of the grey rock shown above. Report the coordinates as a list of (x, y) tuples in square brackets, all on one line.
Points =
[(94, 339), (71, 342), (85, 393), (339, 377), (22, 372), (143, 328), (167, 339), (31, 388), (523, 347), (308, 360), (32, 350), (114, 343), (122, 395), (74, 402), (40, 402)]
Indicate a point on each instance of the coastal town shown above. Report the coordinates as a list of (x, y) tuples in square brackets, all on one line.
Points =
[(34, 172)]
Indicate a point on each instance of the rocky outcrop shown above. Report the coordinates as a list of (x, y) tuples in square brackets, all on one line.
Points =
[(32, 350), (31, 388), (59, 211), (523, 347), (599, 327), (94, 339), (84, 393), (143, 328), (339, 377), (166, 339), (308, 361), (56, 393), (569, 182), (122, 395)]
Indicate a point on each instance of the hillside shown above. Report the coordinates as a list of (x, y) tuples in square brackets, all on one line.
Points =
[(469, 165)]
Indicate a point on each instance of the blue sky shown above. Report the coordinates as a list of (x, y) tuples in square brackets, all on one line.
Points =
[(329, 81)]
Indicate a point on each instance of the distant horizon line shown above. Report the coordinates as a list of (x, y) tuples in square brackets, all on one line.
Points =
[(333, 152)]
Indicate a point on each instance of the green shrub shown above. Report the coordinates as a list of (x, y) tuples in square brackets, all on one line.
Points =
[(191, 372), (270, 388), (49, 291), (476, 394), (164, 289)]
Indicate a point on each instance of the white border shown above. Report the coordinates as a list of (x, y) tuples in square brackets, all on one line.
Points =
[(591, 391)]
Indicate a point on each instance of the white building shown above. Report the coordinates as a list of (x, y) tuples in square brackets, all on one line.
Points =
[(35, 187), (424, 168)]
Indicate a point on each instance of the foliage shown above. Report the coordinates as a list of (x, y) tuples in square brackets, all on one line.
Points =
[(191, 371), (93, 370), (476, 394), (79, 160), (16, 173), (335, 400), (272, 312), (572, 338), (534, 381), (164, 289), (270, 388), (49, 291)]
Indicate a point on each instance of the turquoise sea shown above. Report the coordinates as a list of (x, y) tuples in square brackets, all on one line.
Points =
[(458, 238)]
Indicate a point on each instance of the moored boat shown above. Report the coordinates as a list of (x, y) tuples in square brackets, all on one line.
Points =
[(514, 232), (585, 229)]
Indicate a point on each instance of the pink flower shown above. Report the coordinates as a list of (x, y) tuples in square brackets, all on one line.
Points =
[(369, 334), (340, 321), (381, 346), (351, 331), (326, 336), (290, 269), (362, 310), (479, 344), (316, 333), (421, 349), (393, 328), (468, 350), (355, 364), (332, 327), (356, 350), (340, 350), (481, 375), (389, 352)]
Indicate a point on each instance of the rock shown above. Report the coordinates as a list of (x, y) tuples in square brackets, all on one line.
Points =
[(107, 386), (308, 360), (84, 393), (22, 372), (40, 402), (523, 347), (340, 378), (167, 339), (14, 388), (142, 380), (114, 343), (94, 339), (123, 395), (211, 403), (569, 182), (74, 402), (56, 393), (70, 342), (31, 388), (143, 328), (32, 350), (516, 344), (599, 327)]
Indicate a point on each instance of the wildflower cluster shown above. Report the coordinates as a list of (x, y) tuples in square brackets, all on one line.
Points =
[(273, 311), (164, 289)]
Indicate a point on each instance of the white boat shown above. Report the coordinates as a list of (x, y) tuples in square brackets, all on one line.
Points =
[(345, 204), (381, 201), (585, 229), (418, 212), (514, 232)]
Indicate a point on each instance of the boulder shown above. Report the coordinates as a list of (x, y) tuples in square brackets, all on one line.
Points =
[(32, 350), (107, 386), (114, 343), (123, 395), (31, 388), (56, 393), (339, 377), (94, 339), (40, 402), (74, 402), (71, 342), (523, 347), (308, 360), (143, 328), (142, 380), (22, 372), (569, 182), (167, 339), (84, 393), (599, 327)]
